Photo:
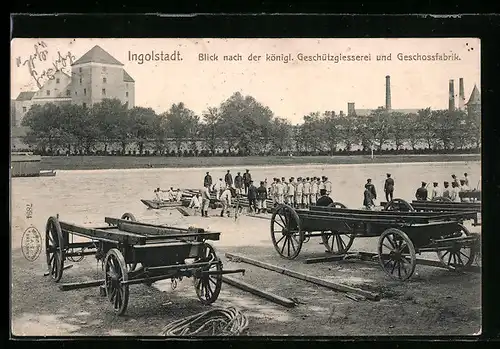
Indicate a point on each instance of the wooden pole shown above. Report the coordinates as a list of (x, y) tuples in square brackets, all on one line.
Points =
[(304, 277), (77, 285), (287, 302)]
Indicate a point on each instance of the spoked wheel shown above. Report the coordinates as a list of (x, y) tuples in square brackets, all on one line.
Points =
[(130, 217), (54, 248), (441, 199), (459, 255), (399, 205), (208, 286), (337, 205), (337, 243), (397, 254), (285, 232), (115, 273)]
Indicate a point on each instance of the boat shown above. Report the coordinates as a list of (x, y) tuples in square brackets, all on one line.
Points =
[(155, 204), (47, 173)]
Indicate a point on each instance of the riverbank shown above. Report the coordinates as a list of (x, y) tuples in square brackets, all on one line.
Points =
[(128, 162)]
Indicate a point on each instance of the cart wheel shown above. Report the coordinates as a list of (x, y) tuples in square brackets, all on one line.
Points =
[(285, 227), (115, 273), (441, 199), (208, 286), (399, 205), (337, 205), (458, 256), (337, 243), (397, 254), (54, 248), (129, 217)]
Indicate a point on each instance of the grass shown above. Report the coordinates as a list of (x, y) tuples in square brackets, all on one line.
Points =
[(127, 162)]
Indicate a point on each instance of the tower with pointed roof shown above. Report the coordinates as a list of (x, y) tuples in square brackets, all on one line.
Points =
[(474, 103), (97, 75)]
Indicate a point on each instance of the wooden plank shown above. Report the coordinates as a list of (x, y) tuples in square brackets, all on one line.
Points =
[(115, 221), (287, 302), (124, 237), (167, 233), (78, 285), (304, 277)]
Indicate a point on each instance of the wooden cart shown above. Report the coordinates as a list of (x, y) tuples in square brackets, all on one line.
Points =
[(138, 253), (402, 235)]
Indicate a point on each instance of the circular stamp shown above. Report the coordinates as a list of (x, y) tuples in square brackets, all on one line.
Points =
[(31, 244)]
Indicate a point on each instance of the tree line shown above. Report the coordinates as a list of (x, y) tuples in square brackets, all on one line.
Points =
[(241, 126)]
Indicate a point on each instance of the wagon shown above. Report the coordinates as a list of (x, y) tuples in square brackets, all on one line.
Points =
[(440, 205), (402, 235), (133, 252)]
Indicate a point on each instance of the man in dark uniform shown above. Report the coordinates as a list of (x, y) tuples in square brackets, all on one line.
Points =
[(324, 200), (389, 188), (371, 188), (368, 198), (252, 197), (238, 183), (247, 177), (228, 178), (207, 181), (261, 198), (421, 193)]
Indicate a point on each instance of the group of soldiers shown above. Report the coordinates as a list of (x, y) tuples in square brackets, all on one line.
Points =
[(453, 193), (301, 192), (168, 195)]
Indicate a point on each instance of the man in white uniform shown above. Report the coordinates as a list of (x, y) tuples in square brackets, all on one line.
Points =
[(218, 188), (280, 191), (436, 191), (455, 192), (195, 202), (307, 192), (225, 198), (314, 191), (299, 193), (205, 203), (328, 186), (291, 192)]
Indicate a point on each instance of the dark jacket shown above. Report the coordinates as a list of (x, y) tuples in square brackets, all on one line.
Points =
[(228, 179), (389, 185), (261, 193), (421, 194), (247, 177), (367, 198), (238, 181), (252, 192), (372, 190), (207, 181), (324, 201)]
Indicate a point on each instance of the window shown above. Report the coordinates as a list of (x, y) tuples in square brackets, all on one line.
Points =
[(85, 105), (104, 92), (58, 81), (84, 91), (104, 80), (48, 92), (126, 86), (68, 93), (24, 109), (126, 94), (80, 81), (80, 70)]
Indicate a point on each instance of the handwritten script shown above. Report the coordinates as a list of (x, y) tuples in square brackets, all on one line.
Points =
[(39, 56)]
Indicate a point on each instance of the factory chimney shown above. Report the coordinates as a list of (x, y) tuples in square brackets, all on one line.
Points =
[(461, 94), (451, 104), (388, 92), (351, 111)]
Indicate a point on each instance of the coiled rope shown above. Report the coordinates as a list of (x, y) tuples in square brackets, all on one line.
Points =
[(219, 321)]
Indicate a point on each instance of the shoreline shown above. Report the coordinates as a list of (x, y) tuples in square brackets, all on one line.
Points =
[(64, 163)]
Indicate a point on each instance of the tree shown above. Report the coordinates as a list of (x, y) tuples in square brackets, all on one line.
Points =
[(86, 130), (70, 121), (180, 123), (142, 120), (428, 124), (330, 127), (281, 135), (399, 128), (160, 133), (312, 133), (379, 126), (364, 132), (44, 123), (414, 131), (348, 131), (210, 129), (109, 114)]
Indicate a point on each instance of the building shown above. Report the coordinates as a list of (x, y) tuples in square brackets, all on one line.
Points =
[(474, 103), (94, 76)]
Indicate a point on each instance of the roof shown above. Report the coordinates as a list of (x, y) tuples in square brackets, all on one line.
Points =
[(367, 112), (127, 77), (97, 55), (25, 96), (475, 96)]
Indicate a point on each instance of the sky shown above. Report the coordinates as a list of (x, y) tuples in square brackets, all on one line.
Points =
[(291, 90)]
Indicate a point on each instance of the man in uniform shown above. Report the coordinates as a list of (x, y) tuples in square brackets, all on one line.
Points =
[(218, 188), (299, 193), (207, 180), (328, 186), (421, 193), (307, 192), (463, 188), (371, 187), (225, 199), (205, 200), (238, 183), (247, 177), (280, 191), (261, 198), (466, 179), (454, 179), (368, 197), (228, 178), (324, 199), (455, 192), (272, 192), (252, 197), (446, 190), (389, 188), (291, 192), (195, 203), (314, 191), (436, 191)]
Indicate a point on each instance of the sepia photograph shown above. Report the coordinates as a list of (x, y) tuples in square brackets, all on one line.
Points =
[(245, 187)]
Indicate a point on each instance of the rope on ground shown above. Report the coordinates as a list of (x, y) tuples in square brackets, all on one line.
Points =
[(219, 321)]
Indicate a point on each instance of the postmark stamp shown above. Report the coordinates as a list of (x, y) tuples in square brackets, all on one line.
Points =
[(31, 244)]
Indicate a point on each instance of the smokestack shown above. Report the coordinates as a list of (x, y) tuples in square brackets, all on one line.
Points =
[(451, 104), (351, 111), (388, 92), (461, 94)]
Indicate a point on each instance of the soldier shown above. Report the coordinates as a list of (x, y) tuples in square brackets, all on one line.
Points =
[(261, 198), (207, 180), (324, 199), (466, 179), (307, 192), (368, 197), (421, 193), (371, 187), (389, 188), (247, 177), (225, 199), (291, 192), (436, 191), (314, 191), (446, 190), (205, 200), (280, 191), (455, 192), (238, 183), (299, 192), (252, 197), (228, 178), (328, 186)]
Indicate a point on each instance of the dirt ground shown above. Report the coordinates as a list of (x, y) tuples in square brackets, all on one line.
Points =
[(434, 302)]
